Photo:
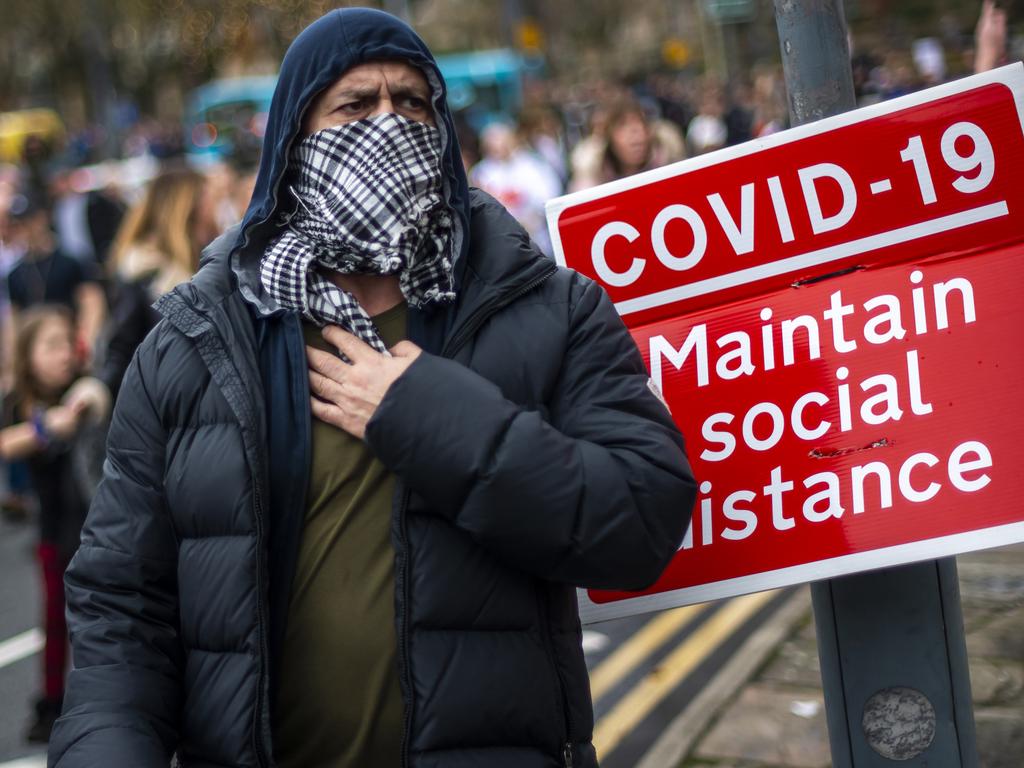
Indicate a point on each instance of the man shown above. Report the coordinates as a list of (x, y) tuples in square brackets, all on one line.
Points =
[(46, 275), (86, 222), (365, 558)]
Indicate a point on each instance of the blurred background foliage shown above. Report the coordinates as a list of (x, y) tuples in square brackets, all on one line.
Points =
[(82, 56)]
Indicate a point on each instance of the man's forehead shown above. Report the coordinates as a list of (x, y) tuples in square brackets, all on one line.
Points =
[(395, 73)]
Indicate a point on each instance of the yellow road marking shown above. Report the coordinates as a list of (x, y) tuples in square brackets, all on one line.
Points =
[(641, 645), (636, 705)]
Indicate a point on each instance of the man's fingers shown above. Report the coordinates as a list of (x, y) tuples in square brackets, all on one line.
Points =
[(336, 417), (324, 387), (325, 411), (350, 345), (404, 349), (326, 363)]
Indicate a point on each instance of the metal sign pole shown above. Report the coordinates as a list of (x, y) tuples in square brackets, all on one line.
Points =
[(891, 642)]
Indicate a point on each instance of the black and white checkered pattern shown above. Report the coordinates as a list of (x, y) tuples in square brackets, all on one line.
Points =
[(370, 201)]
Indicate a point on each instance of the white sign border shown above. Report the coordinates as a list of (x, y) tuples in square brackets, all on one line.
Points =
[(929, 228), (844, 565)]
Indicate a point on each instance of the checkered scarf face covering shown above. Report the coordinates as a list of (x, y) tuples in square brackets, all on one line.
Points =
[(370, 201)]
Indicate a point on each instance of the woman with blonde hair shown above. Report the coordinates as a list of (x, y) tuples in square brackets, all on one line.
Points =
[(156, 248)]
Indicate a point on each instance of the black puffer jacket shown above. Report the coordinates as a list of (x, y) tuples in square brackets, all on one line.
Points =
[(531, 459)]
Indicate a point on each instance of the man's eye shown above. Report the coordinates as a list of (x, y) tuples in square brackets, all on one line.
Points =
[(414, 102), (353, 106)]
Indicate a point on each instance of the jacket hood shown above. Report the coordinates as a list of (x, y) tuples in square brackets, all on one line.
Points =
[(325, 50)]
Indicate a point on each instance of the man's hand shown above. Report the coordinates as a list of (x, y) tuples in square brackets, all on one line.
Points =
[(346, 395)]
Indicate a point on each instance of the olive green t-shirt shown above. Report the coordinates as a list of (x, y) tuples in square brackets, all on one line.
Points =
[(338, 699)]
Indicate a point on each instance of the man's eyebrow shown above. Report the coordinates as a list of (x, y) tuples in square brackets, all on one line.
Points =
[(409, 89), (356, 92)]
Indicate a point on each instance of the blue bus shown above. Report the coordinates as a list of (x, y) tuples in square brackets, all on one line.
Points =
[(484, 85), (226, 118)]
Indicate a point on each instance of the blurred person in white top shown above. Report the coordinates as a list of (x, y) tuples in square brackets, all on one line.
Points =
[(520, 181)]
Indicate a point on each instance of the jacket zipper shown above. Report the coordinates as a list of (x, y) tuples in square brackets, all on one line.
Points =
[(403, 640), (261, 618), (261, 754), (559, 682)]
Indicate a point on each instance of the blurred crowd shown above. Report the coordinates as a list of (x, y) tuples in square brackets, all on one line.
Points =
[(575, 136), (82, 260)]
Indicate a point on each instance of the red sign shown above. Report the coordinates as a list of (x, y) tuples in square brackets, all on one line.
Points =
[(833, 315)]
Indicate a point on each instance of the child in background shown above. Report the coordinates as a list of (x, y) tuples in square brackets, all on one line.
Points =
[(48, 408)]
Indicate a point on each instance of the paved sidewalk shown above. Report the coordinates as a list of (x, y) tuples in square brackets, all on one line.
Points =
[(777, 718)]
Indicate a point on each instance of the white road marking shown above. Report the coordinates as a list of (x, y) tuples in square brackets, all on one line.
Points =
[(801, 708), (592, 643), (20, 647), (38, 761)]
